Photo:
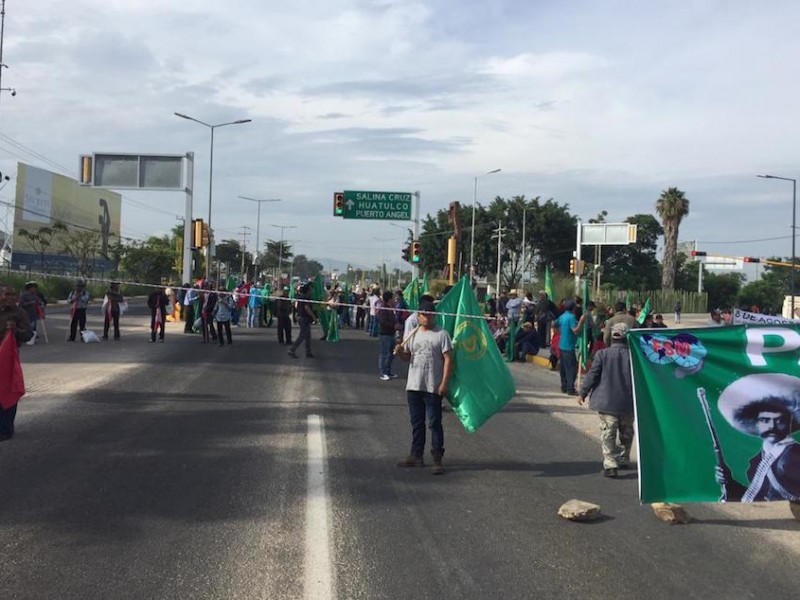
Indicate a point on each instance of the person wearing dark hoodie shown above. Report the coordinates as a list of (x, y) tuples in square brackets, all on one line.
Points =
[(112, 310), (157, 302)]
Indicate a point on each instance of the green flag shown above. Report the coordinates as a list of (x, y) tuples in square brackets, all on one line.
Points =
[(644, 312), (411, 294), (583, 337), (332, 333), (512, 333), (628, 299), (700, 395), (548, 285), (291, 292), (481, 383), (423, 288), (230, 283), (319, 295)]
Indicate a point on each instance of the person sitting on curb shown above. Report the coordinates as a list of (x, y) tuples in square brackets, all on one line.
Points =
[(526, 341)]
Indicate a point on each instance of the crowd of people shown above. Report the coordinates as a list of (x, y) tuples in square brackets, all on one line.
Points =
[(521, 327)]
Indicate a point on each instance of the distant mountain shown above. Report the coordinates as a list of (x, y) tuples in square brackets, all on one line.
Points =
[(340, 266)]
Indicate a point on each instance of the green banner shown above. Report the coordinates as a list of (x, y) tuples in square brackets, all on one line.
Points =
[(481, 383), (717, 411)]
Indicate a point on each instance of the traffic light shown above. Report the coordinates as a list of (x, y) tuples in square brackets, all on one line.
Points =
[(415, 248), (197, 233), (338, 204), (697, 253), (750, 259), (206, 236), (407, 253), (573, 265)]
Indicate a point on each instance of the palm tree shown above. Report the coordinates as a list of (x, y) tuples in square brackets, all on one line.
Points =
[(671, 206)]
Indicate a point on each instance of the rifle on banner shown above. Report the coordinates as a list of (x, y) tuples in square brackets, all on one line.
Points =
[(701, 395)]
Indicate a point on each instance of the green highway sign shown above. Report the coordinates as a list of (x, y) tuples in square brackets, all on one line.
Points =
[(390, 206)]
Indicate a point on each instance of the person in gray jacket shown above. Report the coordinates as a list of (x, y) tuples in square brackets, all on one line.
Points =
[(611, 387)]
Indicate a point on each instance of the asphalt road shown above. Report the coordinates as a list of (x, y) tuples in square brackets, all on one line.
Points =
[(184, 470)]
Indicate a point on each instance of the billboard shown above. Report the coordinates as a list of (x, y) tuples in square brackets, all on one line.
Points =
[(44, 198)]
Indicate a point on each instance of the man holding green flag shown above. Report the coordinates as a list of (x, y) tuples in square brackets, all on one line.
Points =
[(481, 383), (548, 285), (429, 350), (644, 312)]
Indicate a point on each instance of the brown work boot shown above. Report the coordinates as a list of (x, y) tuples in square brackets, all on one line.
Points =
[(438, 469), (411, 461)]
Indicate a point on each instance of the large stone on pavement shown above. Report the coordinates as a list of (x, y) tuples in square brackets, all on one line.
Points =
[(671, 513), (795, 508), (578, 510)]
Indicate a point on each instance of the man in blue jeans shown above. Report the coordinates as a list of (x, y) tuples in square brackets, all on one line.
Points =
[(569, 327), (429, 350)]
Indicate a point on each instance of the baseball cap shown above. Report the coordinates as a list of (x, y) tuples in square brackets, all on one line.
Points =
[(619, 330)]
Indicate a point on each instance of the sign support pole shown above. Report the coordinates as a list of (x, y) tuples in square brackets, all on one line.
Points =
[(187, 222), (415, 267), (578, 259)]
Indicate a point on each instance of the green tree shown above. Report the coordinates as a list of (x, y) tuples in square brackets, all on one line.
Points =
[(672, 206), (779, 276), (764, 294), (722, 288), (635, 266), (42, 239), (84, 247), (304, 268), (150, 261), (276, 251)]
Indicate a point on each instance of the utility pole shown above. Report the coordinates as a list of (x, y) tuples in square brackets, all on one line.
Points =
[(245, 233), (499, 234)]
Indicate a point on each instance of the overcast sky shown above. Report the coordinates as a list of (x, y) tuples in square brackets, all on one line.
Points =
[(601, 105)]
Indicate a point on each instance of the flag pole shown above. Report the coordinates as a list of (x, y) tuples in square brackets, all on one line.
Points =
[(44, 330)]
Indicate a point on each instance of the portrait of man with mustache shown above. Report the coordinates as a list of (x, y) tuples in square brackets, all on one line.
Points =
[(767, 406)]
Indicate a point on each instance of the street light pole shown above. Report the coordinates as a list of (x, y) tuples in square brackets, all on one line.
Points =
[(211, 172), (524, 213), (794, 232), (258, 221), (280, 248), (472, 231)]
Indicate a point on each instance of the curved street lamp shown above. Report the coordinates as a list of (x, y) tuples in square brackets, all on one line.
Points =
[(211, 169), (258, 221), (794, 233), (472, 232)]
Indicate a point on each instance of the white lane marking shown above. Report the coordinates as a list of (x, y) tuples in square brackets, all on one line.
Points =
[(318, 571)]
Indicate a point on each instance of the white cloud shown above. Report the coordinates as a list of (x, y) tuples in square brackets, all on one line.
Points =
[(599, 105)]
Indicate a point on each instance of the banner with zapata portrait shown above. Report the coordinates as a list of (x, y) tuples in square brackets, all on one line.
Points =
[(718, 413)]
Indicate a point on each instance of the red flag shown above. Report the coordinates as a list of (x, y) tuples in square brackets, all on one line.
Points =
[(12, 383)]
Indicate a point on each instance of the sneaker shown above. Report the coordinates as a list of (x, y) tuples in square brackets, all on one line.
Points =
[(393, 376), (411, 461), (438, 469), (292, 354), (385, 378), (609, 472)]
